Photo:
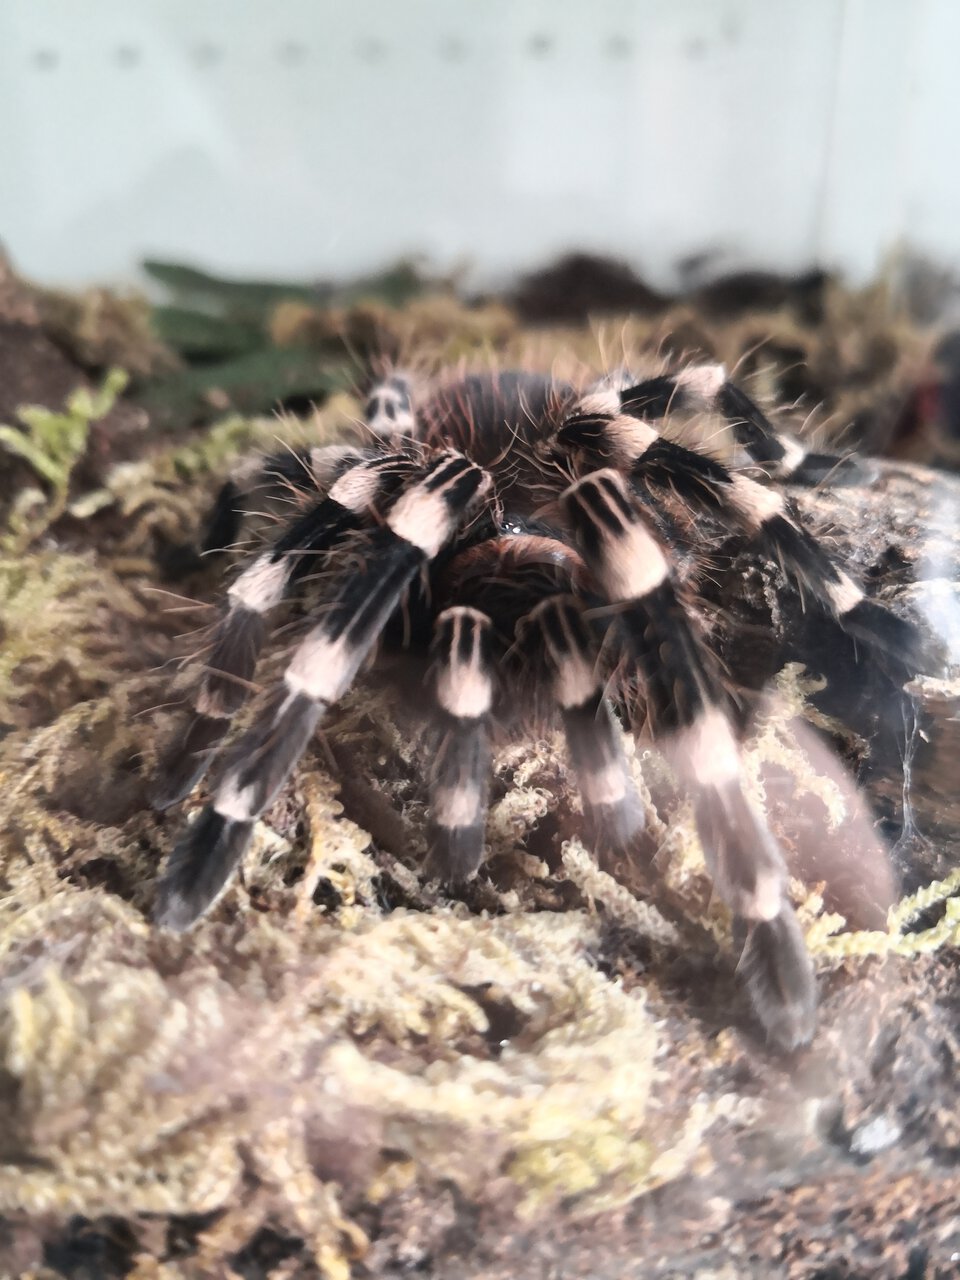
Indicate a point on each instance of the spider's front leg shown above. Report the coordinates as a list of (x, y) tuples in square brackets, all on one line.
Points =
[(459, 743), (361, 599), (610, 802), (687, 711), (555, 643), (265, 481), (360, 484)]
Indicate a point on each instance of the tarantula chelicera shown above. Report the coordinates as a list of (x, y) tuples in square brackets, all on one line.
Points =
[(521, 538)]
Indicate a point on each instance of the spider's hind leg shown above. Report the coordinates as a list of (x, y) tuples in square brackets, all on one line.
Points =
[(390, 410), (611, 427), (706, 387)]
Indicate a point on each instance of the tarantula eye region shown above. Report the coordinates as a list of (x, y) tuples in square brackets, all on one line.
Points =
[(553, 457)]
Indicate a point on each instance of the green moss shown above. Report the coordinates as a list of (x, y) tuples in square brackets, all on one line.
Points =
[(899, 938), (52, 443)]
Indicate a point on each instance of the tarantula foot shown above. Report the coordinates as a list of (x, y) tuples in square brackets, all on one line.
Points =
[(891, 638), (199, 869), (611, 828), (455, 855), (780, 980)]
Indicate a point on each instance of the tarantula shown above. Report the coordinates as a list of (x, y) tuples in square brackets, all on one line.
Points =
[(521, 538)]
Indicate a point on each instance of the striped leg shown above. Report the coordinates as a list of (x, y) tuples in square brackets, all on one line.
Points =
[(687, 713), (321, 670), (240, 633), (706, 388), (304, 472), (599, 436), (610, 802), (460, 744)]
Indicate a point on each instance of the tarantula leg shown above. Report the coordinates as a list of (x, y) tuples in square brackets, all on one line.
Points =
[(321, 670), (201, 864), (224, 520), (303, 472), (389, 409), (610, 802), (767, 518), (241, 631), (703, 483), (682, 684), (460, 755), (706, 387), (776, 970)]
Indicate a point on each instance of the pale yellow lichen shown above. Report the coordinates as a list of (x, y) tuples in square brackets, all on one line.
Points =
[(65, 624), (533, 769), (898, 938), (773, 742), (618, 902), (144, 1090), (342, 861)]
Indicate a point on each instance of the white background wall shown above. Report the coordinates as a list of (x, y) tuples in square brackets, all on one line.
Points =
[(325, 137)]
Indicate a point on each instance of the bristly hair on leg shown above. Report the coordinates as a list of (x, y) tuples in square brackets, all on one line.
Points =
[(706, 388), (688, 715), (605, 429), (362, 483), (322, 668), (459, 744), (538, 546), (611, 805)]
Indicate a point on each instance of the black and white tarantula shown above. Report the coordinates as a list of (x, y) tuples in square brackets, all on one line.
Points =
[(518, 536)]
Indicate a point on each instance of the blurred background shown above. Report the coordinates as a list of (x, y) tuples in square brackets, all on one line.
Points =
[(313, 138)]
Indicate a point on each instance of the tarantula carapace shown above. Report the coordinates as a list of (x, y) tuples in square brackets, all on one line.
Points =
[(519, 537)]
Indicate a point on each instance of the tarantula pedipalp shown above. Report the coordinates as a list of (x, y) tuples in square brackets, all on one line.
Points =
[(516, 535)]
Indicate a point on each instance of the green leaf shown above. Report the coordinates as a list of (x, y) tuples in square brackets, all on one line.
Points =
[(253, 383), (251, 301), (195, 333)]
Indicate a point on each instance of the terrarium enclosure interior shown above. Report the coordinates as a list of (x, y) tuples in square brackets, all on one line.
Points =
[(682, 277), (306, 139)]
